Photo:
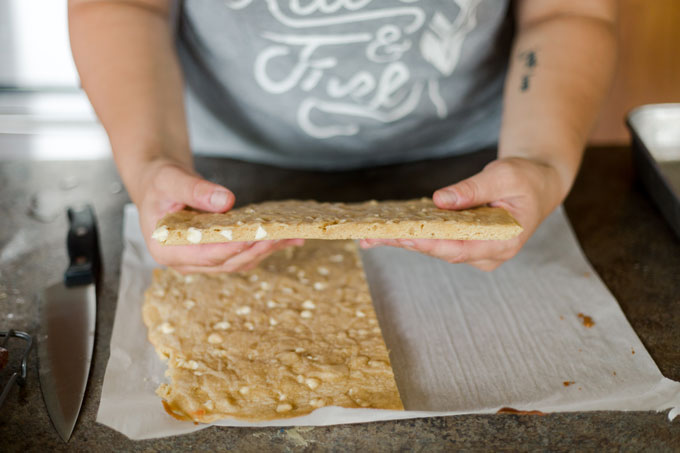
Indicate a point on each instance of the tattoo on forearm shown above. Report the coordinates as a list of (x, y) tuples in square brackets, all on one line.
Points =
[(530, 61)]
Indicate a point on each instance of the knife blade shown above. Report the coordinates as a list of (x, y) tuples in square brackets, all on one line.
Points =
[(67, 319)]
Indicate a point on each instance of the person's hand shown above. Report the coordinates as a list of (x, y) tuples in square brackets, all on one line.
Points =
[(166, 186), (529, 190)]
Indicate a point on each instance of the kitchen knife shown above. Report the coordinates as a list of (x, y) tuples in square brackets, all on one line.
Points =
[(67, 320)]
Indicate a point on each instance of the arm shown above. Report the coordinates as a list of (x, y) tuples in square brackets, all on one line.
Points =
[(560, 67), (123, 51), (127, 64)]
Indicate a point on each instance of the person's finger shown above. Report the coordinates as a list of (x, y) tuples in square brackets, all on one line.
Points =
[(189, 189), (197, 255), (263, 255), (460, 251), (249, 262), (234, 263), (198, 269), (370, 243), (498, 180)]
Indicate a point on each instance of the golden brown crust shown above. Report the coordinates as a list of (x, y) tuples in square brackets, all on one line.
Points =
[(297, 333), (294, 219)]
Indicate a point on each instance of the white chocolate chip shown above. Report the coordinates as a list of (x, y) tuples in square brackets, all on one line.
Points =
[(264, 285), (284, 407), (300, 378), (250, 210), (273, 322), (244, 390), (161, 234), (377, 364), (239, 222), (306, 314), (312, 383), (287, 290), (261, 233), (198, 373), (244, 310), (189, 304), (191, 364), (228, 235), (194, 235), (272, 304), (188, 279), (282, 397), (166, 328), (360, 314), (215, 338), (299, 350), (320, 286), (249, 325), (222, 325), (258, 295), (337, 258), (253, 278), (323, 270), (309, 305), (317, 402)]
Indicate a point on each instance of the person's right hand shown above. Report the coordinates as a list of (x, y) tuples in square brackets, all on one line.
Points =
[(165, 186)]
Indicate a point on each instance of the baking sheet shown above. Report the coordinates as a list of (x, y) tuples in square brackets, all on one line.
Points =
[(461, 340), (656, 155)]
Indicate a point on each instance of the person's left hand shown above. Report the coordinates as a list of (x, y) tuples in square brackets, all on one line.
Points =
[(528, 189)]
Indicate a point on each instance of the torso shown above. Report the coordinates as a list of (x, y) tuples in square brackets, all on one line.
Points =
[(343, 83)]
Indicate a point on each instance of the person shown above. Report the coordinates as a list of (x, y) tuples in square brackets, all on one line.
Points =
[(335, 84)]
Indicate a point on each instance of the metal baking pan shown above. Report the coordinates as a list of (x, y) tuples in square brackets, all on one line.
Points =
[(655, 130)]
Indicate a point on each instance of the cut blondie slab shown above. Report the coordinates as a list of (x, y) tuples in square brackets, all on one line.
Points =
[(296, 334), (295, 219)]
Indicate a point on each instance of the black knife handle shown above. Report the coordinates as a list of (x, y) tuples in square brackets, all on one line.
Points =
[(83, 246)]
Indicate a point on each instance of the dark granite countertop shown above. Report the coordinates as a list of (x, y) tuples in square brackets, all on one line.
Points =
[(623, 235)]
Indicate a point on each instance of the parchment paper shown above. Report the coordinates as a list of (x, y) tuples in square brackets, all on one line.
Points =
[(461, 340)]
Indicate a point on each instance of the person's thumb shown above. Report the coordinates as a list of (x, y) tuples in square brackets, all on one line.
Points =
[(484, 187), (189, 189)]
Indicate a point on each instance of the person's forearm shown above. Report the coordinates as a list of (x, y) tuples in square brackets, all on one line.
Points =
[(560, 70), (127, 64)]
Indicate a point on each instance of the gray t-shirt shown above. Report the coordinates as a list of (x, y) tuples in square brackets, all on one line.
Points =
[(338, 84)]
